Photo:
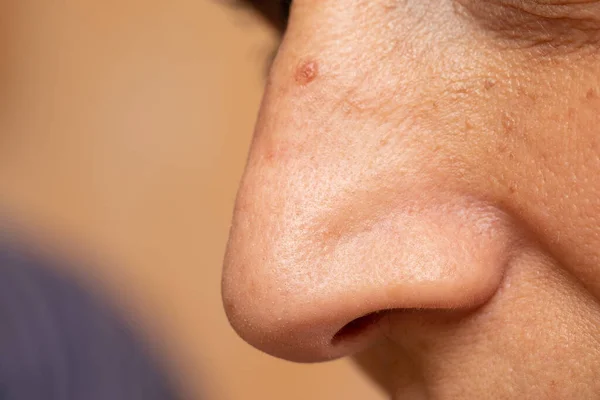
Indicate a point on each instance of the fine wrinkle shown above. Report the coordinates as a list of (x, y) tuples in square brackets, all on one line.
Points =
[(556, 27)]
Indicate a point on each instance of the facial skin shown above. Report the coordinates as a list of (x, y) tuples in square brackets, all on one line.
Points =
[(434, 166)]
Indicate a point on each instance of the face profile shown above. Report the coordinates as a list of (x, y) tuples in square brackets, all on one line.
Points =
[(423, 194)]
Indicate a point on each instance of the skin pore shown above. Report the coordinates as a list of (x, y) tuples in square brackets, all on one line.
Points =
[(422, 194)]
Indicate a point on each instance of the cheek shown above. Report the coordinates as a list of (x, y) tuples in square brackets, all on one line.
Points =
[(539, 315), (544, 154), (519, 130)]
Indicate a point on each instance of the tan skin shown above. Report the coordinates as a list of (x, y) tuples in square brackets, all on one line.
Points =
[(433, 166)]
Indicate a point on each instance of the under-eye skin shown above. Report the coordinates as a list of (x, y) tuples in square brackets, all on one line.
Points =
[(549, 25)]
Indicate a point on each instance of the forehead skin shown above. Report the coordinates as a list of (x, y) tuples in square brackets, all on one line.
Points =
[(438, 158)]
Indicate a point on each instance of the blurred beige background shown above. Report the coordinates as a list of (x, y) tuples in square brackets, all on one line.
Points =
[(125, 126)]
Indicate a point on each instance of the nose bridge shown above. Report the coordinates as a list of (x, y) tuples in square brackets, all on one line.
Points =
[(319, 125)]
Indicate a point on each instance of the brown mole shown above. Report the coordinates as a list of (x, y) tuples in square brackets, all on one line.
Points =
[(306, 72)]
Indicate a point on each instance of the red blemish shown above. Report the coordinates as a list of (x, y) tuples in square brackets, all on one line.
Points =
[(270, 155), (277, 152), (306, 72), (591, 94)]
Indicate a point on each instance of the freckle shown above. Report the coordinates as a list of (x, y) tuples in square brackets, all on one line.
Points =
[(306, 72), (489, 83), (591, 94), (468, 124)]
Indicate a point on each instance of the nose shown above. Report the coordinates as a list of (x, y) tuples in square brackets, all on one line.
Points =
[(336, 225), (306, 292)]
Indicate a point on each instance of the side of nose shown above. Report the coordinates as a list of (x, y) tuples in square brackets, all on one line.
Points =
[(309, 294), (325, 240)]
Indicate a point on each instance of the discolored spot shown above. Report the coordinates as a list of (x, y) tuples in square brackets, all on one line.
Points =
[(306, 72), (468, 124), (423, 345), (489, 83), (502, 148), (591, 94), (508, 123), (270, 155), (275, 151)]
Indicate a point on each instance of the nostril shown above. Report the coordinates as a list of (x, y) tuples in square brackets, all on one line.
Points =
[(357, 327)]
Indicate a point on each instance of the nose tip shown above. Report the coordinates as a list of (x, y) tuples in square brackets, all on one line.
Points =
[(294, 294), (302, 330)]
